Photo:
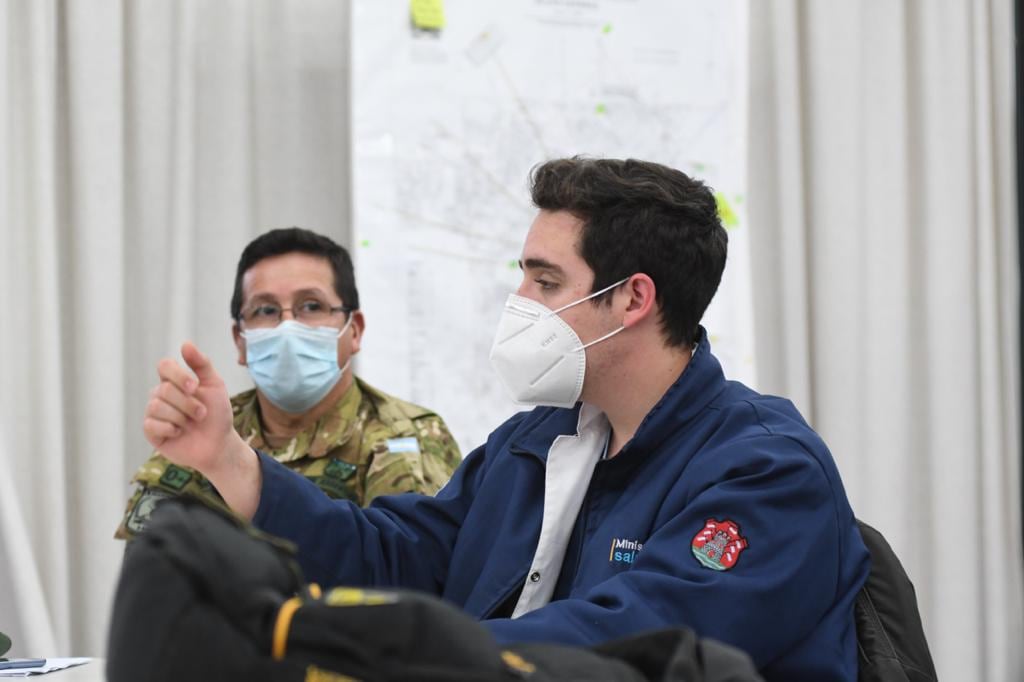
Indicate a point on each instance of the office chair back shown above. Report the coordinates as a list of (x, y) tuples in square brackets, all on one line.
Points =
[(890, 637)]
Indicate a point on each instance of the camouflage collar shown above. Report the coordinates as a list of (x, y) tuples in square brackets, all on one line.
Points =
[(332, 430)]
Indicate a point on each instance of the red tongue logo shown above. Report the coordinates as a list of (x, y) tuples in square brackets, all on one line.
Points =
[(718, 544)]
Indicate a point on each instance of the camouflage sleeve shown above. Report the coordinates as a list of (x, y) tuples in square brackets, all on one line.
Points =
[(421, 464), (159, 480)]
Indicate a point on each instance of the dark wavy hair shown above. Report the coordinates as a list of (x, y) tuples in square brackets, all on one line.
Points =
[(642, 217)]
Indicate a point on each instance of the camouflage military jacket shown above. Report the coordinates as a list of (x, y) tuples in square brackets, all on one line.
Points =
[(371, 444)]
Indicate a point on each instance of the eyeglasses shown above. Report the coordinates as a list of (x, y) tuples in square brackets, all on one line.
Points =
[(311, 311)]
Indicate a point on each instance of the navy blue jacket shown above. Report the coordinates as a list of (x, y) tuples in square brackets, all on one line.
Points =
[(724, 513)]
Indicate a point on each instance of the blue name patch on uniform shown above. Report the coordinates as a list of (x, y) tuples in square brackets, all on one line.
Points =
[(624, 551), (403, 445)]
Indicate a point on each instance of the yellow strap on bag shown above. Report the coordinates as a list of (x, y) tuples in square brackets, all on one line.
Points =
[(281, 627), (315, 674), (284, 620)]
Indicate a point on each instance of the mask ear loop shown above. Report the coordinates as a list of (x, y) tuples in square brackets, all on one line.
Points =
[(606, 336), (348, 323), (587, 298), (341, 331)]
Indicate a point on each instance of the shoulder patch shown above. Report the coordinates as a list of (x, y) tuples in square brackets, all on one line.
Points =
[(718, 544), (339, 469), (138, 518), (403, 445), (175, 477)]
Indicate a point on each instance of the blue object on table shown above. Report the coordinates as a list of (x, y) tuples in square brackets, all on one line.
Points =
[(16, 663)]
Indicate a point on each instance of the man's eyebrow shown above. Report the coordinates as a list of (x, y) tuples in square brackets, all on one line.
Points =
[(264, 296), (540, 264), (317, 291)]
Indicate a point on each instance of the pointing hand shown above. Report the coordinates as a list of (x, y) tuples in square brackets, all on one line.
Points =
[(188, 417)]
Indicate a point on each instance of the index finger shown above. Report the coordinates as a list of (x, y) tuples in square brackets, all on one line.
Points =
[(199, 363), (170, 371)]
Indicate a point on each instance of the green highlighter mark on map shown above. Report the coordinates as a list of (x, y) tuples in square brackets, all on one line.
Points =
[(725, 211)]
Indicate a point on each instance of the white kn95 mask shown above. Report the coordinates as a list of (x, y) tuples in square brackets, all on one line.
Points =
[(538, 356)]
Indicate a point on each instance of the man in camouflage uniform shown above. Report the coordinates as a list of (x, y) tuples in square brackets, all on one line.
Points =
[(355, 442)]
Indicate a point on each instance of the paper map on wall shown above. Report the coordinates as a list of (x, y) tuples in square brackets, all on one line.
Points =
[(449, 116)]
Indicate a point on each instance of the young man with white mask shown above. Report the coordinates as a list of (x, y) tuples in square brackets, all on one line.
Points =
[(645, 490), (297, 325)]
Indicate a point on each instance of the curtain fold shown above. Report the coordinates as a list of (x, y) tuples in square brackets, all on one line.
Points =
[(18, 561), (882, 185), (33, 423), (143, 145)]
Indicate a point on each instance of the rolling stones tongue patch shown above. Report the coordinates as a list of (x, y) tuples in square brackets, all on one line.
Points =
[(718, 544)]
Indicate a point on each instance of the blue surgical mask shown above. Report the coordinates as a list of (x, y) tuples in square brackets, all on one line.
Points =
[(294, 365)]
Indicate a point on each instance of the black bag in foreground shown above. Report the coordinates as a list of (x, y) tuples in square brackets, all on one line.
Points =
[(203, 597)]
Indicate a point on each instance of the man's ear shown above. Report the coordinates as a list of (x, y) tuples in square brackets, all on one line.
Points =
[(236, 334), (641, 302), (358, 327)]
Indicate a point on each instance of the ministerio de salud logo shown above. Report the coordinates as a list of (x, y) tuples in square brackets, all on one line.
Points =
[(718, 544), (624, 551)]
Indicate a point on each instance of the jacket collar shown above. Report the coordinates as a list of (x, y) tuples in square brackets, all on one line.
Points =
[(692, 391)]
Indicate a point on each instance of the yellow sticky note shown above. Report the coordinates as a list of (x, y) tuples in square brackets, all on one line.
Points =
[(725, 211), (427, 14)]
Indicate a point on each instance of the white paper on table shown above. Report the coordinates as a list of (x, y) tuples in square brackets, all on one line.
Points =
[(50, 666)]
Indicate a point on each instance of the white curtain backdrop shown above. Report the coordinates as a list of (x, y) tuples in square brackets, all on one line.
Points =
[(882, 207), (142, 145)]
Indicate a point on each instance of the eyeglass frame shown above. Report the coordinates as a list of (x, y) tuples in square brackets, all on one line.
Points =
[(331, 310)]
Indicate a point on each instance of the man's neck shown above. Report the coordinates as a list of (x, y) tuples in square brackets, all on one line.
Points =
[(630, 396), (279, 427)]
